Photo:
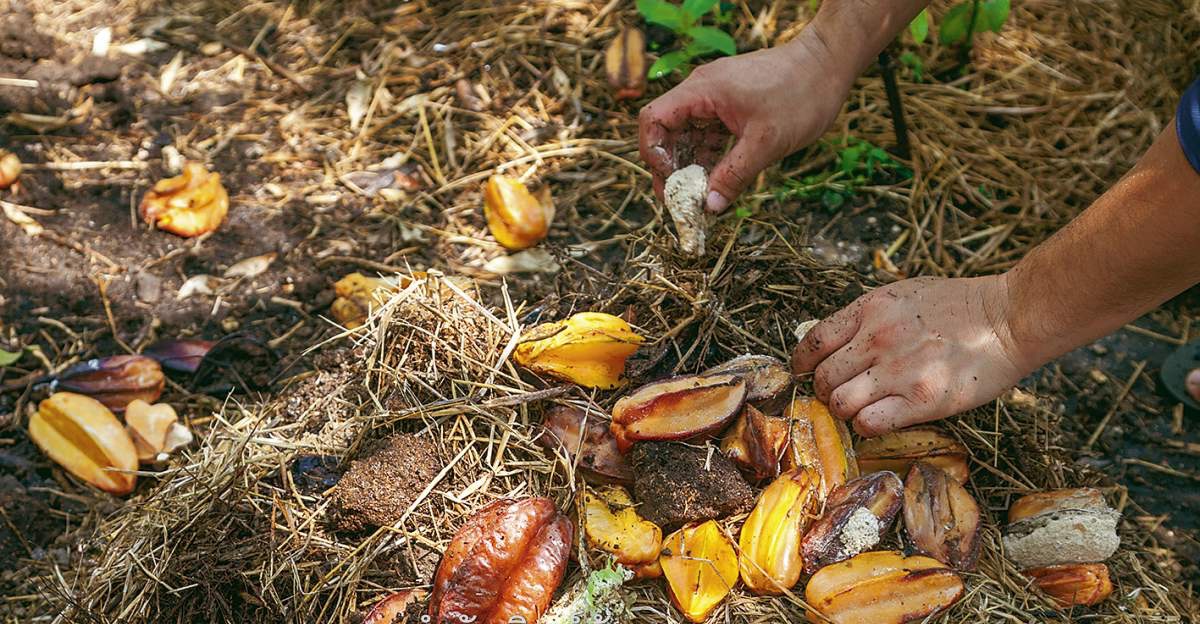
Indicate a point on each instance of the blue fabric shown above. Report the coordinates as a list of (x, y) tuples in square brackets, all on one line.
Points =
[(1187, 124)]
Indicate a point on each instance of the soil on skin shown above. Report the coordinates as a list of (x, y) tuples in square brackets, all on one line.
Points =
[(380, 487), (678, 483)]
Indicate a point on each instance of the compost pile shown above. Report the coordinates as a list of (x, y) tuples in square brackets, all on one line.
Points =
[(430, 408)]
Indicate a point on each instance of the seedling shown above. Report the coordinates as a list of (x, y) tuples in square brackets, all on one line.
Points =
[(964, 20), (685, 21), (859, 163)]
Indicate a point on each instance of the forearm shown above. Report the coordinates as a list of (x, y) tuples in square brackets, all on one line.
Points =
[(851, 33), (1137, 246)]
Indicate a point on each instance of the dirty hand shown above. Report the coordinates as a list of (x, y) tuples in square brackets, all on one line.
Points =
[(914, 351), (774, 101)]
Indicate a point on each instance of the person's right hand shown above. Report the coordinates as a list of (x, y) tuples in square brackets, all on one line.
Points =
[(775, 101)]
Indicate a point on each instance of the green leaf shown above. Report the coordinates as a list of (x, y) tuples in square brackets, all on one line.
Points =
[(849, 159), (919, 27), (913, 62), (666, 64), (662, 13), (743, 212), (992, 15), (832, 200), (7, 358), (954, 25), (710, 39), (697, 8)]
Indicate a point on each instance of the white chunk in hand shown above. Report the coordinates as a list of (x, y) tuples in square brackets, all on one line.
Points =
[(684, 192)]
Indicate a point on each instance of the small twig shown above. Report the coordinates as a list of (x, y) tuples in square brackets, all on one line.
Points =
[(87, 164), (1117, 403), (19, 82), (286, 73), (370, 264), (1160, 468)]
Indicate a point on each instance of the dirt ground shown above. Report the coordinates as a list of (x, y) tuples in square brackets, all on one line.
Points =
[(97, 281)]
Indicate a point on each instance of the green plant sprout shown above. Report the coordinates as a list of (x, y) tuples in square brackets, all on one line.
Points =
[(684, 20), (965, 20), (859, 163)]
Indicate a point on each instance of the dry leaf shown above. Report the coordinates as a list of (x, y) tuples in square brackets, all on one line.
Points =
[(251, 267)]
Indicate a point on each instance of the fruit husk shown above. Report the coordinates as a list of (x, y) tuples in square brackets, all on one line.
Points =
[(882, 587), (82, 435), (680, 408), (114, 381), (898, 450), (856, 517), (941, 518)]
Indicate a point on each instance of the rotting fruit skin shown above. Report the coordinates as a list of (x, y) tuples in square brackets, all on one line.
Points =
[(589, 349), (393, 606), (857, 515), (155, 429), (768, 381), (882, 587), (941, 518), (770, 561), (82, 435), (356, 296), (505, 562), (1073, 583), (586, 442), (181, 356), (756, 443), (517, 218), (898, 450), (115, 381), (701, 567), (625, 64), (190, 204), (612, 524), (10, 169), (679, 408), (1038, 503), (821, 442)]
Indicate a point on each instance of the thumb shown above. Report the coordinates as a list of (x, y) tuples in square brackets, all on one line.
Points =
[(737, 169)]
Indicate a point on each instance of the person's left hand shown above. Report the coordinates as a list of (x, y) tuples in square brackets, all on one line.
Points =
[(914, 351)]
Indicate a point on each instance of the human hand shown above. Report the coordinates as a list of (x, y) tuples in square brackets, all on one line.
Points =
[(914, 351), (774, 101)]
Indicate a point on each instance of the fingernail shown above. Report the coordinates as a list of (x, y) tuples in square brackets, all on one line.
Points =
[(1193, 384), (717, 202)]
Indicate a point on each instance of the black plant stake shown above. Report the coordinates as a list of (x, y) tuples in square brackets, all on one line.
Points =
[(888, 67)]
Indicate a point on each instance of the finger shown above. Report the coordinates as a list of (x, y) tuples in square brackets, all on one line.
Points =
[(849, 398), (1193, 384), (659, 184), (889, 414), (738, 168), (840, 367), (827, 337)]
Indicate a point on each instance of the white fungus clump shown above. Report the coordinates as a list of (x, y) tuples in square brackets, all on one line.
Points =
[(860, 533), (684, 192)]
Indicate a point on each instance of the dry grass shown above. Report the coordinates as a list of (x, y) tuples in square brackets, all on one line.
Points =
[(1052, 111)]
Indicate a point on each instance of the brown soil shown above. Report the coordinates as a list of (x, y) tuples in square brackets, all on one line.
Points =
[(678, 483), (25, 523), (385, 482)]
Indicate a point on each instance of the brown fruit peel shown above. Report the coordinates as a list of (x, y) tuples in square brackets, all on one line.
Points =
[(680, 408)]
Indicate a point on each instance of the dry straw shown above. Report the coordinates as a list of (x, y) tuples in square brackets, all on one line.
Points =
[(1047, 116)]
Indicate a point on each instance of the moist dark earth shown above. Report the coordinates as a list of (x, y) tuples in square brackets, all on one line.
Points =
[(679, 483)]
